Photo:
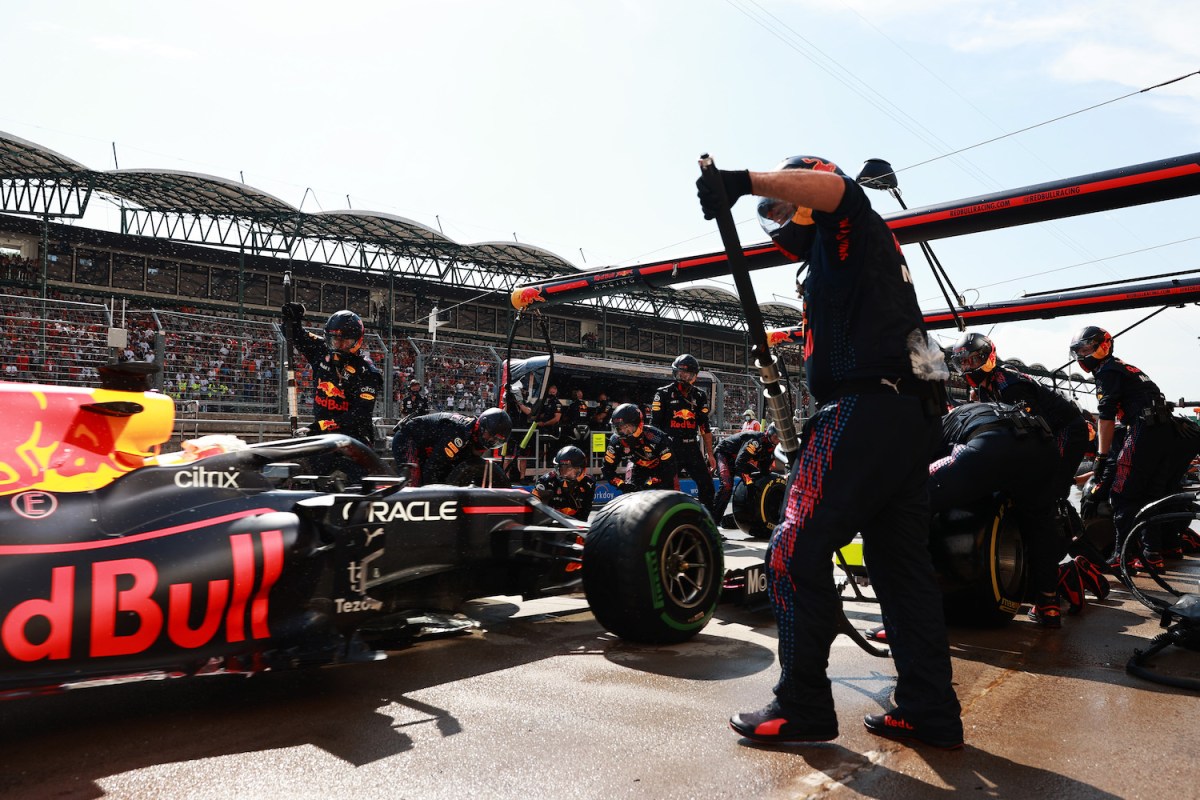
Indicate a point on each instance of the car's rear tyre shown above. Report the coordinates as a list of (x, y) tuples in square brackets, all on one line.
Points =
[(756, 507), (982, 564), (652, 567)]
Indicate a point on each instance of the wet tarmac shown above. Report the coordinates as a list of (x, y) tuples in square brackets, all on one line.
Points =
[(543, 703)]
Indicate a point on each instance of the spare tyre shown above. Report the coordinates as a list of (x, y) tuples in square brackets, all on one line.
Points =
[(653, 565), (981, 563), (756, 508)]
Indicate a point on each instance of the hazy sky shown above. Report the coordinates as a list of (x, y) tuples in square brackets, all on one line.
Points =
[(576, 126)]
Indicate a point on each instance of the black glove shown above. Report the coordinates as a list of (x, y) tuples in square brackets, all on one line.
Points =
[(293, 312), (1103, 473), (737, 183)]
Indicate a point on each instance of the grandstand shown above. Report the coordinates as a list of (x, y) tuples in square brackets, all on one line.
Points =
[(194, 281)]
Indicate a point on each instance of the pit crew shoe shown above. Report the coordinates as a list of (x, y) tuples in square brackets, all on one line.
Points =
[(877, 634), (1047, 615), (893, 725), (772, 725), (1153, 560)]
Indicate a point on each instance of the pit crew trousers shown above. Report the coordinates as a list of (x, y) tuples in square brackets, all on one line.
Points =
[(688, 456), (863, 467), (725, 475), (1149, 467)]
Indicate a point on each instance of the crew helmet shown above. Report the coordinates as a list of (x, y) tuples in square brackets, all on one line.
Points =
[(627, 420), (1091, 346), (974, 357), (790, 226), (570, 457), (748, 413), (773, 432), (492, 428), (688, 364), (345, 325)]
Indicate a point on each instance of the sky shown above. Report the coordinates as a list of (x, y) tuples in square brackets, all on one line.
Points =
[(576, 127)]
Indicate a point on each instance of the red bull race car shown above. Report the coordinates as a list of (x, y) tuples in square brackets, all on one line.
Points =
[(119, 561)]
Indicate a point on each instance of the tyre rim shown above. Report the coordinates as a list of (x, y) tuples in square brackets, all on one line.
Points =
[(686, 565), (1009, 559)]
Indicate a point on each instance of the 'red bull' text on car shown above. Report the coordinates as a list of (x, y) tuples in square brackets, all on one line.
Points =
[(120, 562)]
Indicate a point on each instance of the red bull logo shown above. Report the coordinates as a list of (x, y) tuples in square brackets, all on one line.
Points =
[(65, 439), (329, 389), (526, 296), (780, 336), (684, 414), (121, 591), (330, 397)]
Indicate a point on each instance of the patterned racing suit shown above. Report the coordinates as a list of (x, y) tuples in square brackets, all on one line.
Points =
[(435, 444), (571, 497), (681, 410), (344, 387), (653, 463), (739, 455), (863, 467)]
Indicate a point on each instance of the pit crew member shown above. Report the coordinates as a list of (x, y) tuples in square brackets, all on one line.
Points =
[(434, 444), (997, 447), (345, 384), (414, 404), (567, 487), (1158, 445), (864, 459), (680, 409), (974, 357), (645, 448), (743, 455)]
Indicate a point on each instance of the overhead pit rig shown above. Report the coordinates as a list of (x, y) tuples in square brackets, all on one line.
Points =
[(1151, 182)]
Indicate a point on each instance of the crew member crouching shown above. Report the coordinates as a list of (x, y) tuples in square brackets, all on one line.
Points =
[(434, 444), (567, 488), (644, 447)]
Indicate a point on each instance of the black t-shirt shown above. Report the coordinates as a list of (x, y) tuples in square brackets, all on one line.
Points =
[(1123, 391), (1007, 385), (859, 301)]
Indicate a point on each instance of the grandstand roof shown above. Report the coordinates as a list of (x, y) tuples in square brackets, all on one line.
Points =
[(22, 159), (523, 255), (191, 193), (206, 209)]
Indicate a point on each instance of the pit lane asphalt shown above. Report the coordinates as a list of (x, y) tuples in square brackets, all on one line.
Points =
[(545, 704)]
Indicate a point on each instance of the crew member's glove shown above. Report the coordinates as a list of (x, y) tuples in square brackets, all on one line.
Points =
[(1102, 471), (327, 425), (293, 312), (570, 512), (737, 183)]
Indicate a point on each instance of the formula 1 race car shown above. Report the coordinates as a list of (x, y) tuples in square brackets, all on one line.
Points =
[(120, 562)]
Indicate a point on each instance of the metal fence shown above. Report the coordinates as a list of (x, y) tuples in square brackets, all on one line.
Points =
[(52, 341), (220, 365)]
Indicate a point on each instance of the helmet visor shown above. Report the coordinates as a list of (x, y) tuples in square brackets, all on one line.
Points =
[(774, 214), (491, 440), (625, 428), (1084, 348), (966, 360), (569, 471)]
